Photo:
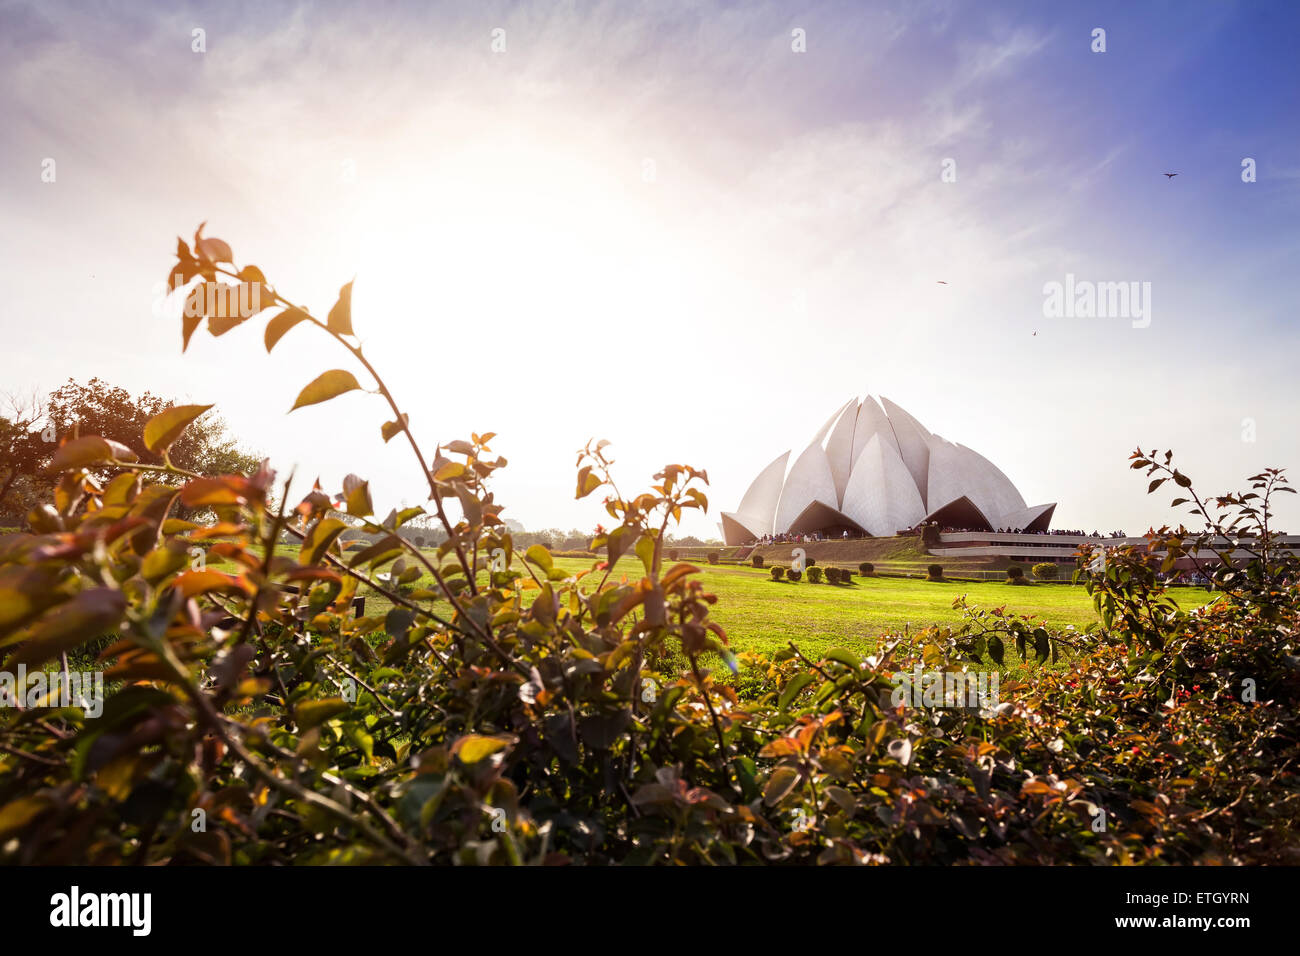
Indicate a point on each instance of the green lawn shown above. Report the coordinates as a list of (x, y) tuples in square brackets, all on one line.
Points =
[(762, 615)]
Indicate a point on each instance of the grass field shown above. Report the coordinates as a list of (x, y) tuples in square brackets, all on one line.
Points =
[(762, 615)]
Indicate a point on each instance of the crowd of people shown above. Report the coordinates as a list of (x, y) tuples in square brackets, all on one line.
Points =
[(1076, 532), (803, 538)]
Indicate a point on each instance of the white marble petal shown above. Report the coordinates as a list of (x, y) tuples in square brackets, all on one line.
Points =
[(821, 432), (956, 471), (881, 495), (872, 421), (810, 480), (988, 487), (839, 448), (735, 529), (913, 445), (758, 507)]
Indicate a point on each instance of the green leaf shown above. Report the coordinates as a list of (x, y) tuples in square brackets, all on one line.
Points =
[(844, 656), (89, 450), (617, 543), (791, 691), (474, 747), (587, 482), (470, 506), (406, 514), (363, 739), (389, 429), (539, 556), (779, 785), (312, 713), (645, 550), (88, 615), (282, 323), (398, 621), (387, 548), (328, 385), (340, 317), (18, 814), (996, 649), (320, 537), (167, 426), (1042, 644), (359, 504)]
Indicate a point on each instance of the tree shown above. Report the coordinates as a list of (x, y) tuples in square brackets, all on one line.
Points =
[(33, 431), (20, 449)]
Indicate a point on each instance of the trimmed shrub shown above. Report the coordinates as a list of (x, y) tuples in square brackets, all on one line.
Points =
[(672, 555), (757, 560), (1047, 571), (832, 575), (1015, 575), (714, 557), (815, 575), (777, 572), (794, 575), (866, 568), (810, 562), (934, 572)]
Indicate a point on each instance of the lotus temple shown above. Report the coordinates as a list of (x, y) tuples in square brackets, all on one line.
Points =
[(875, 470)]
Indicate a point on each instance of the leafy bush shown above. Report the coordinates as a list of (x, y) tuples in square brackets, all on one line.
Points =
[(810, 562), (1015, 575), (777, 572), (672, 555), (757, 560), (866, 568), (503, 717), (793, 574), (1046, 571), (815, 575), (714, 557), (832, 575), (934, 572)]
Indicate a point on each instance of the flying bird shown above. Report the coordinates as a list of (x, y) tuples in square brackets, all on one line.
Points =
[(940, 281), (1171, 175)]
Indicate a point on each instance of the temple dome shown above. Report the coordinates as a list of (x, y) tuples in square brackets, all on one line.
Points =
[(874, 468)]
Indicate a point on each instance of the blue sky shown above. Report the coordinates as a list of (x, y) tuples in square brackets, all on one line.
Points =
[(693, 240)]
